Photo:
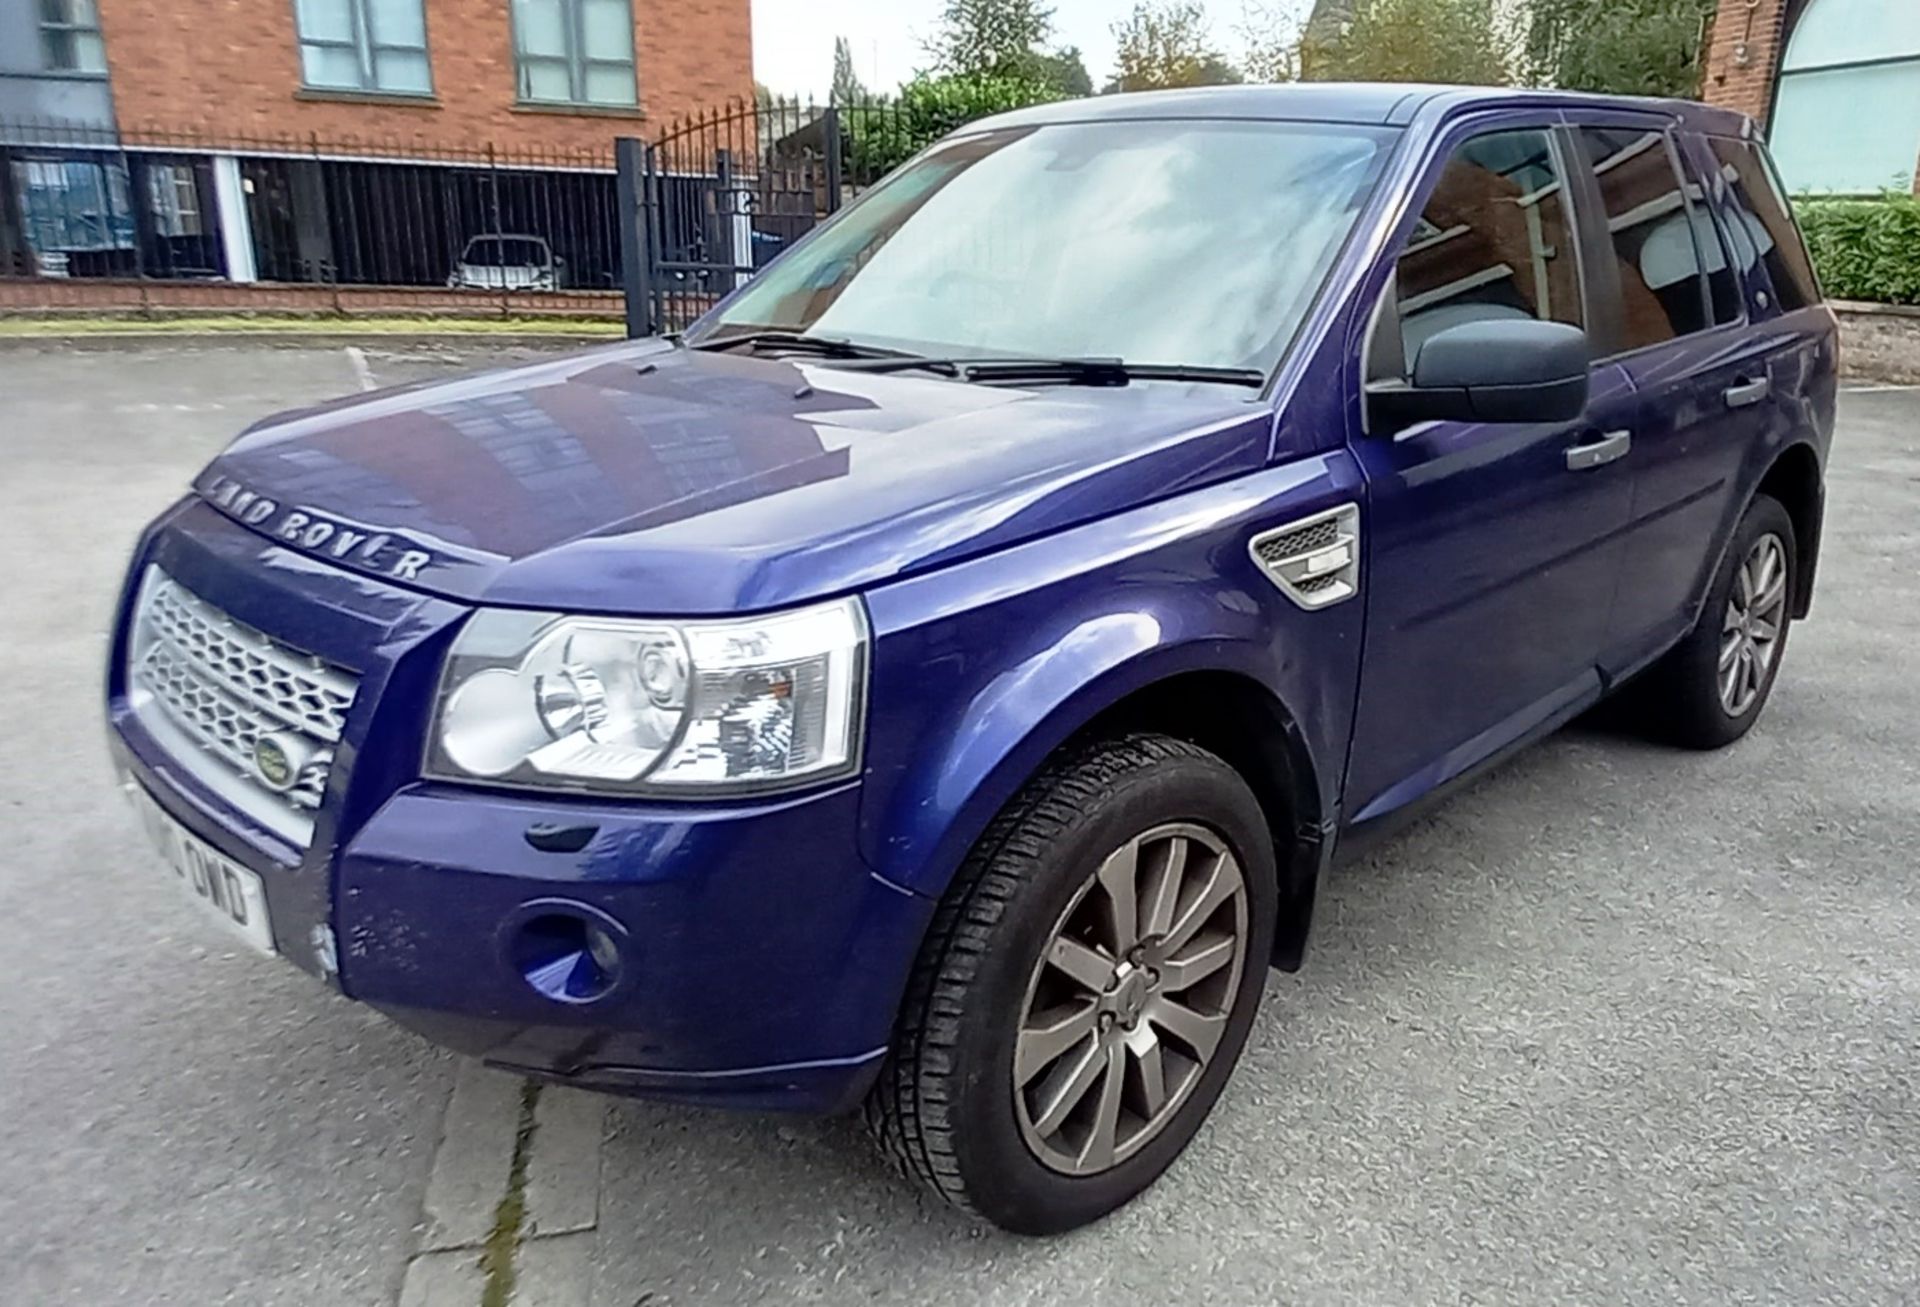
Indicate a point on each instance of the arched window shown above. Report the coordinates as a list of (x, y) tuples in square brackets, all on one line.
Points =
[(1847, 120)]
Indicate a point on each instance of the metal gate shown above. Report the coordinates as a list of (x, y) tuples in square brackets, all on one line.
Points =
[(714, 198)]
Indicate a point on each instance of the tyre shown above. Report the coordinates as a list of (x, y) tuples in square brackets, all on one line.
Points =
[(1085, 988), (1709, 689)]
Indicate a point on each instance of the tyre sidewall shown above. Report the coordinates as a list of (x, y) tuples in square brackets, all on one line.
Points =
[(1700, 659), (1005, 1181)]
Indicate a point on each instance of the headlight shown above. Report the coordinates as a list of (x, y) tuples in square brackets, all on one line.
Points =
[(623, 706)]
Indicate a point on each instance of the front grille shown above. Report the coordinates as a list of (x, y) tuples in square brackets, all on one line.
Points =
[(211, 689)]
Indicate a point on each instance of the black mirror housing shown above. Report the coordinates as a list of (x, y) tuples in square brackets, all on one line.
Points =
[(1500, 370)]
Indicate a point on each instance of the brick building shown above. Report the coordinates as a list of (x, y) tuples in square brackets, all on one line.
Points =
[(562, 73), (1836, 84), (444, 144)]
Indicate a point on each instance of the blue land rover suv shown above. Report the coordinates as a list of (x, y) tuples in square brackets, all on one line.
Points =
[(937, 681)]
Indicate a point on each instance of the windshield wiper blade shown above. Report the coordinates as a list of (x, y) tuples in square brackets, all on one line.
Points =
[(1070, 371), (798, 342)]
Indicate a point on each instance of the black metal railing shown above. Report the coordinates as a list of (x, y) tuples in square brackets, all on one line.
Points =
[(522, 228), (673, 221)]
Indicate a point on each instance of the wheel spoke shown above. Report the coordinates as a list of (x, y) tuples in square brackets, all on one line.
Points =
[(1743, 585), (1119, 878), (1772, 597), (1198, 1031), (1223, 878), (1150, 1069), (1763, 630), (1080, 962), (1164, 894), (1729, 680), (1098, 1153), (1729, 650), (1040, 1045), (1067, 1085), (1732, 622), (1196, 963)]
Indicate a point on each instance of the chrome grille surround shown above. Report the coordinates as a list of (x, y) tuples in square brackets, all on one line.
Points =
[(209, 689)]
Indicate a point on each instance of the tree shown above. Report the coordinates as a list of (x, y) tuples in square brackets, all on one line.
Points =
[(847, 88), (1269, 41), (1625, 47), (1458, 41), (927, 109), (989, 36), (1063, 70), (1163, 44)]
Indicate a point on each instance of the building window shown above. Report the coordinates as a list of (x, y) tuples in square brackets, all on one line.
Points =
[(70, 34), (364, 45), (1847, 117), (173, 195), (575, 51)]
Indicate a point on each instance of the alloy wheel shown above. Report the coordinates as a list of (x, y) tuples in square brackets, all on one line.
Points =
[(1755, 618), (1130, 998)]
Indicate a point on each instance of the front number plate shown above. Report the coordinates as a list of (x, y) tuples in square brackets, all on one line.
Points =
[(230, 891)]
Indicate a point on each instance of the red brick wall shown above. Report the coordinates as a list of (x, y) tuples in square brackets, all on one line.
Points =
[(232, 67), (1744, 54)]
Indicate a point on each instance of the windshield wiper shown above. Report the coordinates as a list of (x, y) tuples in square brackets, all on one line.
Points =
[(1070, 371), (799, 342)]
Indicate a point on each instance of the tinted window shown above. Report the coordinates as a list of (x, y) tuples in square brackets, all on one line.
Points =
[(1660, 234), (1763, 231), (1492, 242)]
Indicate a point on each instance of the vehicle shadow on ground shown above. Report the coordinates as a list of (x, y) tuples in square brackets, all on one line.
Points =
[(746, 1209)]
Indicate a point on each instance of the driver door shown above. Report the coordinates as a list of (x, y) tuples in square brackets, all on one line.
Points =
[(1492, 549)]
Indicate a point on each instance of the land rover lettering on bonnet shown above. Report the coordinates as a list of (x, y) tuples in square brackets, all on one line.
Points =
[(936, 683)]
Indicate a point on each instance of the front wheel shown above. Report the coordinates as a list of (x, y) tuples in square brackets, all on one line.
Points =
[(1085, 989)]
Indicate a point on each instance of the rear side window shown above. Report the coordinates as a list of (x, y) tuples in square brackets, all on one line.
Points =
[(1492, 242), (1762, 231), (1674, 274)]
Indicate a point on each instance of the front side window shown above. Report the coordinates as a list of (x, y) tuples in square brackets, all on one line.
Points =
[(575, 51), (1662, 238), (1762, 227), (1492, 242), (364, 45), (70, 36), (1198, 243)]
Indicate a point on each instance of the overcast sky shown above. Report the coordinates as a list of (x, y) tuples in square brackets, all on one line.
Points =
[(793, 39)]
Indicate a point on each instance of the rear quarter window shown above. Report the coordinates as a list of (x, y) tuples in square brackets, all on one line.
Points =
[(1763, 231)]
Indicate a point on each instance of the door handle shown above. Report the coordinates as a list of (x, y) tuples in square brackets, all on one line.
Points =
[(1598, 453), (1745, 393)]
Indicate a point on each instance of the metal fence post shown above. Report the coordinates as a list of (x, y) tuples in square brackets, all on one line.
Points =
[(628, 160), (830, 124)]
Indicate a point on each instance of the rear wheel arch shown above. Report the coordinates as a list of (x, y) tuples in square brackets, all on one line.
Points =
[(1794, 479)]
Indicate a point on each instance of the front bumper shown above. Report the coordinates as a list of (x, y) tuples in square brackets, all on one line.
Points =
[(759, 961)]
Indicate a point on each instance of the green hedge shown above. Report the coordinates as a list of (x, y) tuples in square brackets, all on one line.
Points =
[(1865, 249)]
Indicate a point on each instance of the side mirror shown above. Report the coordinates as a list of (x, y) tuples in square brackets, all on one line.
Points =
[(1498, 370)]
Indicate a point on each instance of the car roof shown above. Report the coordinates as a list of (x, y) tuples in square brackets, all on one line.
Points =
[(1385, 104)]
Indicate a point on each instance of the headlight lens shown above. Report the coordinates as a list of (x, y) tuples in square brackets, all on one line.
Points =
[(607, 704)]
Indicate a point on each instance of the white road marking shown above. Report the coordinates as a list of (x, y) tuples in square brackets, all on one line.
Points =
[(1874, 390), (358, 357)]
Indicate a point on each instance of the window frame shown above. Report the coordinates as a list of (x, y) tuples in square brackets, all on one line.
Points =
[(1612, 347), (48, 28), (1383, 340), (364, 49), (578, 62)]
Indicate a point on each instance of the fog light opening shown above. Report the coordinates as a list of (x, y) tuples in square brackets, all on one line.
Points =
[(566, 958)]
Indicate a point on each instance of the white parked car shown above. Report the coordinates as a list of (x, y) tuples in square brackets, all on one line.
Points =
[(507, 263)]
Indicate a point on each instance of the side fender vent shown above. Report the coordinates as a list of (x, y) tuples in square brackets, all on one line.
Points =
[(1316, 560)]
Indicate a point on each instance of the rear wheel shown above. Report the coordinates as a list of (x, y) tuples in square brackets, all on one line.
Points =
[(1709, 690), (1085, 989)]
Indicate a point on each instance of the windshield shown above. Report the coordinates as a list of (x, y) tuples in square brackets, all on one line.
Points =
[(505, 252), (1184, 242)]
